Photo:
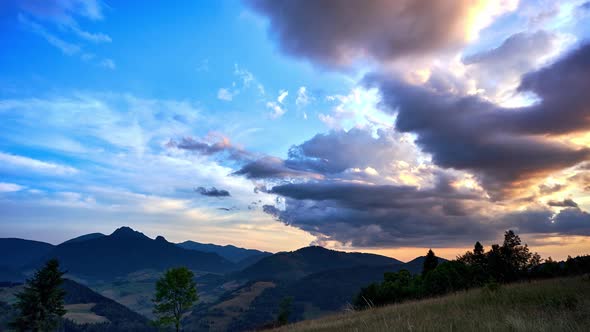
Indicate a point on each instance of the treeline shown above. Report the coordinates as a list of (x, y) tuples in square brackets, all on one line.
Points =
[(504, 263)]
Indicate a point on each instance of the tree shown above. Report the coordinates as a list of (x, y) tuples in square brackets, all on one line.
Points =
[(176, 292), (284, 311), (40, 305), (430, 262), (516, 257)]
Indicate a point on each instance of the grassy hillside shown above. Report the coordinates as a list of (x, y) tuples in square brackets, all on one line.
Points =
[(547, 305)]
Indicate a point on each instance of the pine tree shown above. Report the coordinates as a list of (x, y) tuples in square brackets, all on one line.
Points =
[(430, 262), (40, 305)]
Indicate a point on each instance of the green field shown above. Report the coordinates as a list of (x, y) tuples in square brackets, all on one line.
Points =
[(547, 305)]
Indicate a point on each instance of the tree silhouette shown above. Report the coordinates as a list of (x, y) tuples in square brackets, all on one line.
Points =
[(284, 311), (41, 304), (176, 292), (430, 262)]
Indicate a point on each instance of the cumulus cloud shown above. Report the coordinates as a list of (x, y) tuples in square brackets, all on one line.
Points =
[(498, 70), (504, 147), (212, 192), (339, 150), (336, 32)]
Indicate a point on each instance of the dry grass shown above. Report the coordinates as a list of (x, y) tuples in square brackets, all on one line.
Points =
[(549, 305), (81, 314)]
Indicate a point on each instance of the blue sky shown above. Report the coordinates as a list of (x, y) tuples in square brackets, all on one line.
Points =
[(112, 113)]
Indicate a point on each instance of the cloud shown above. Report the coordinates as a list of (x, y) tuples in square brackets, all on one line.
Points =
[(224, 94), (62, 11), (14, 161), (53, 19), (282, 95), (505, 148), (108, 63), (65, 47), (6, 187), (214, 144), (568, 202), (498, 70), (269, 168), (212, 192), (339, 150), (337, 32), (302, 97), (361, 215), (277, 110)]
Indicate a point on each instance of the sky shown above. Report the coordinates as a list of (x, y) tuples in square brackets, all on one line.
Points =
[(378, 126)]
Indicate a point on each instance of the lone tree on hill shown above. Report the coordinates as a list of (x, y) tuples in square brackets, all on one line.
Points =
[(284, 311), (430, 262), (176, 292), (41, 304)]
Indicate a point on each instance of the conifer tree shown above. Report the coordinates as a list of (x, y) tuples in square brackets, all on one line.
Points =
[(40, 305), (430, 262)]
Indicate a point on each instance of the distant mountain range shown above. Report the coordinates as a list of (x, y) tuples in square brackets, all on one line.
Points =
[(240, 289), (229, 252), (99, 256)]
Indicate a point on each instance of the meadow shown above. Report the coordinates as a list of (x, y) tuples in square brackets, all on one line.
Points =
[(561, 304)]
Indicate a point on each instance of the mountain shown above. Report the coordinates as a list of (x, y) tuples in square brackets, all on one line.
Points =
[(16, 253), (229, 252), (297, 264), (126, 251), (85, 238)]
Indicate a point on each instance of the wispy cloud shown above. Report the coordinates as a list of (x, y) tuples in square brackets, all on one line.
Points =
[(11, 160)]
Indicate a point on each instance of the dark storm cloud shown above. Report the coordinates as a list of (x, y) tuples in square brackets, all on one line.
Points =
[(385, 216), (271, 168), (569, 221), (504, 147), (334, 32), (212, 192), (568, 202), (371, 215)]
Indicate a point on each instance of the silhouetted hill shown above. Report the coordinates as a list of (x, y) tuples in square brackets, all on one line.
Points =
[(16, 253), (126, 251), (85, 237), (297, 264), (419, 262), (229, 252), (244, 263), (120, 317)]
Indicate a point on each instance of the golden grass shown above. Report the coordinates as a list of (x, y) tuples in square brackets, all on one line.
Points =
[(548, 305), (81, 314)]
